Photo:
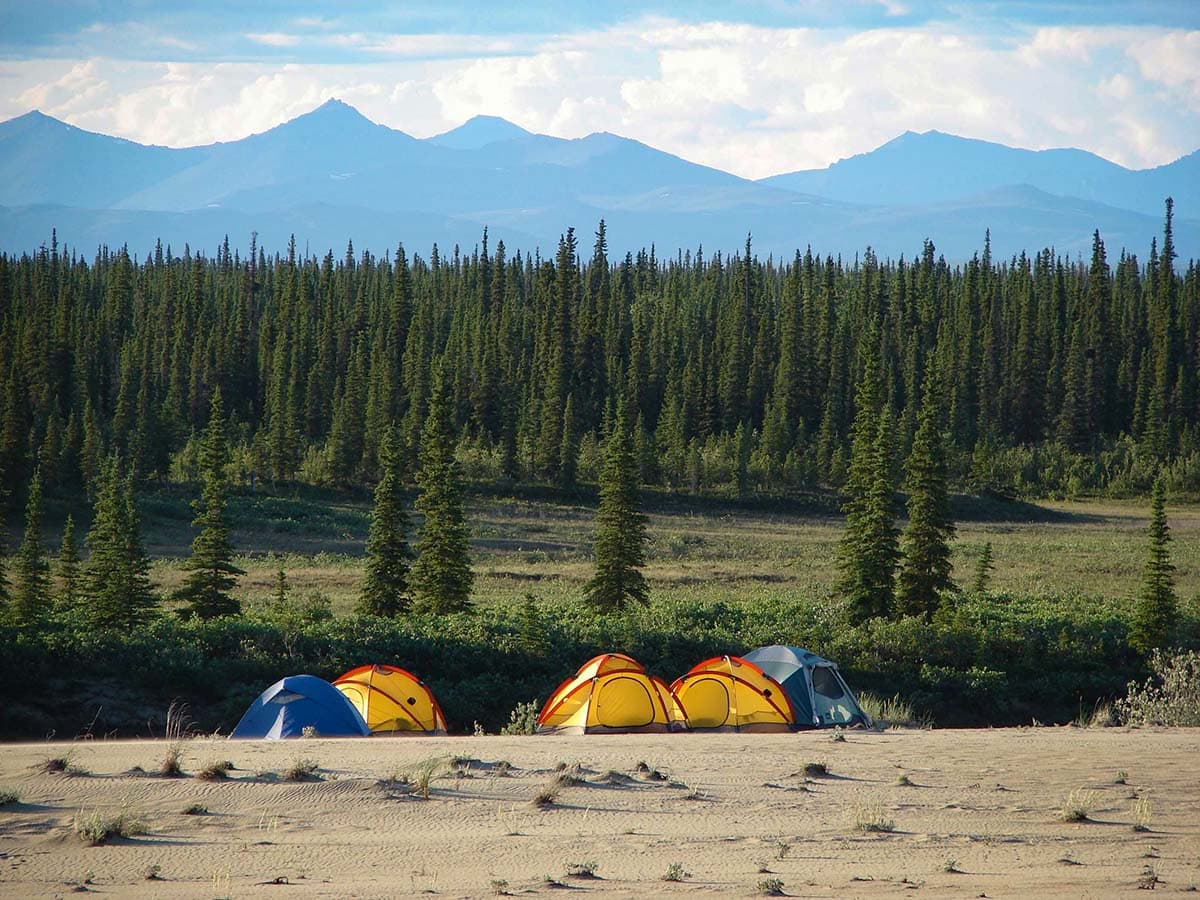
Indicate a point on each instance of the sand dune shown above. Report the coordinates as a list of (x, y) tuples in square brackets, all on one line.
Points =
[(980, 816)]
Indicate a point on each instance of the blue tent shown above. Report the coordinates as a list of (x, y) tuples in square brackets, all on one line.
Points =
[(819, 694), (298, 702)]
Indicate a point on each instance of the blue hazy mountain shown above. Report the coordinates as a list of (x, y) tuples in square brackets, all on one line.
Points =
[(332, 175), (479, 131), (935, 168)]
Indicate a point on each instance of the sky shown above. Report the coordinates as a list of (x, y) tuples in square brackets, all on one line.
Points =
[(754, 87)]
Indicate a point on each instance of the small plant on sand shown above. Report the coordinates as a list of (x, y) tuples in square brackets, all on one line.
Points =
[(870, 818), (902, 780), (547, 794), (61, 765), (1149, 879), (426, 772), (838, 736), (523, 719), (675, 872), (815, 769), (216, 770), (1079, 805), (771, 887), (951, 866), (1122, 777), (178, 725), (171, 765), (302, 770), (891, 712), (7, 798), (781, 849), (584, 869), (499, 887), (1101, 716), (154, 872), (97, 828), (309, 731), (551, 882), (1141, 814), (195, 809)]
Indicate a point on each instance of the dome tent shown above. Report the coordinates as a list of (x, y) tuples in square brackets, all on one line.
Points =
[(392, 701), (611, 693), (820, 696), (296, 703), (728, 693)]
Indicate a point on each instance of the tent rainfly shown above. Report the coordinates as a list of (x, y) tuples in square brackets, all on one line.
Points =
[(392, 701), (611, 693), (298, 704), (820, 696), (728, 693)]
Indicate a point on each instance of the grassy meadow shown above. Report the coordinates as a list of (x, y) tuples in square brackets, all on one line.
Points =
[(699, 548)]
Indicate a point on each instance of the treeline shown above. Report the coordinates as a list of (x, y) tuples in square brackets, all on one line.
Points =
[(1061, 375)]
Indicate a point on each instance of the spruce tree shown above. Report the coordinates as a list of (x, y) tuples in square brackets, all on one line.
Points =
[(620, 526), (385, 589), (926, 569), (4, 587), (31, 599), (983, 570), (279, 599), (205, 591), (1155, 614), (68, 568), (117, 591), (868, 552), (441, 576), (568, 454)]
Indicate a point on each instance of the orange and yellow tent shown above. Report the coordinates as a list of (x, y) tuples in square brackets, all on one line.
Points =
[(611, 693), (392, 700), (728, 693)]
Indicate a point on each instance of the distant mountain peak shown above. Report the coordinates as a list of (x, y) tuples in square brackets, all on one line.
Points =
[(479, 131)]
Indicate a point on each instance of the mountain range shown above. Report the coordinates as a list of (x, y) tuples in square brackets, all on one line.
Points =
[(332, 175)]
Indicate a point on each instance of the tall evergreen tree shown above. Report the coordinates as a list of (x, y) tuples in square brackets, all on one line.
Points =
[(68, 568), (31, 599), (620, 526), (1156, 610), (4, 587), (205, 591), (925, 571), (441, 576), (869, 551), (385, 589), (117, 590)]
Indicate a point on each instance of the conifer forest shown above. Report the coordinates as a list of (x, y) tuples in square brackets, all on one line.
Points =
[(1059, 375)]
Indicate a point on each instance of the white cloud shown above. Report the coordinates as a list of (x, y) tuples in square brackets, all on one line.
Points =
[(275, 39), (751, 100)]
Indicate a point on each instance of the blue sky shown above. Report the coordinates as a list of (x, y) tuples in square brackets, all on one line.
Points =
[(752, 87)]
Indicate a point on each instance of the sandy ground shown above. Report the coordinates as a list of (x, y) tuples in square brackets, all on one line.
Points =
[(733, 812)]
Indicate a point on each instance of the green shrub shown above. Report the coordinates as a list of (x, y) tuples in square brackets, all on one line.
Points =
[(1171, 696), (523, 719)]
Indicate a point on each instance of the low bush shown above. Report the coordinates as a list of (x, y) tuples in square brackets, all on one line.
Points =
[(1171, 696)]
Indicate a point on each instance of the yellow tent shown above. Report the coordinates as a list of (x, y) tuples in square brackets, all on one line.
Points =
[(392, 700), (727, 693), (611, 693)]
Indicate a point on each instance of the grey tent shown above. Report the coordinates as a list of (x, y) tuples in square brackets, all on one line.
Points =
[(820, 696)]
